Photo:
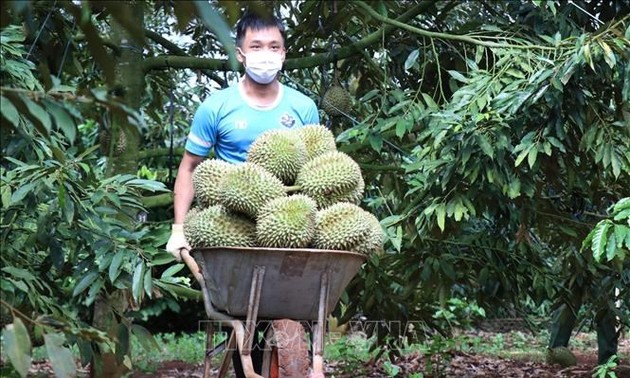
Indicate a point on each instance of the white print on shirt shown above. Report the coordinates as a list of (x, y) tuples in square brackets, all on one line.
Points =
[(240, 125)]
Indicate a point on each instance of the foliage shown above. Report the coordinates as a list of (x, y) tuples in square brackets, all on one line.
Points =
[(491, 146)]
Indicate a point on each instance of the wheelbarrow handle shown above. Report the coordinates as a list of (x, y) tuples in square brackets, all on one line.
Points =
[(192, 265), (194, 269)]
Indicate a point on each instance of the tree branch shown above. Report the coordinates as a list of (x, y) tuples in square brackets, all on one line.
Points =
[(437, 35), (166, 61), (176, 50)]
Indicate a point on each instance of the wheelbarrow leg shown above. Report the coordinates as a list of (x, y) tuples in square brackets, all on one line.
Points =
[(227, 358), (246, 359), (252, 308), (319, 333), (245, 334), (209, 345)]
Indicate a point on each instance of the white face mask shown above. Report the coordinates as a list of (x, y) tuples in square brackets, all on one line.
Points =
[(262, 66)]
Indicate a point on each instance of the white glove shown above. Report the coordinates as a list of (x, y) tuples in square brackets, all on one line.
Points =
[(177, 241)]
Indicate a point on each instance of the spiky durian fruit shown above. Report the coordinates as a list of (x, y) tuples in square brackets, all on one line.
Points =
[(340, 226), (105, 140), (330, 175), (561, 356), (248, 187), (373, 242), (287, 222), (214, 226), (281, 152), (354, 196), (337, 101), (318, 139), (205, 179)]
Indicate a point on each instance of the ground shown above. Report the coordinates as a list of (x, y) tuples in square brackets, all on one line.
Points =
[(460, 364), (510, 360)]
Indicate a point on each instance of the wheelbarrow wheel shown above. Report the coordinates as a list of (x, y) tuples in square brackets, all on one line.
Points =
[(288, 354)]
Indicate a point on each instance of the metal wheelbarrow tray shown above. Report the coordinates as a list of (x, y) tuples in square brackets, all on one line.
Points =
[(271, 283)]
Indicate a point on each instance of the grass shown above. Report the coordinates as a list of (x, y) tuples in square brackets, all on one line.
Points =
[(349, 353)]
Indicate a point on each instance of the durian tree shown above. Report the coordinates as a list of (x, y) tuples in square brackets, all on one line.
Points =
[(493, 138)]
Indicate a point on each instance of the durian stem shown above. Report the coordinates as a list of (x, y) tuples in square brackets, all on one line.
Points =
[(293, 188)]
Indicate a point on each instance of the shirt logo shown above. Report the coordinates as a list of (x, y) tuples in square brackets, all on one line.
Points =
[(287, 120), (240, 124)]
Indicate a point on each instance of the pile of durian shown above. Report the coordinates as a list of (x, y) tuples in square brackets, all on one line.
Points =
[(294, 191)]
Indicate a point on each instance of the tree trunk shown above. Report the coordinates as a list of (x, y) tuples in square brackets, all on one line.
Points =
[(123, 158)]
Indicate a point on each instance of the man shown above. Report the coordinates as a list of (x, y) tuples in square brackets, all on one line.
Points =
[(232, 118)]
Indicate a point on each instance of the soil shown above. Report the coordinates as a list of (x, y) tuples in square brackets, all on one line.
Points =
[(456, 364), (459, 364)]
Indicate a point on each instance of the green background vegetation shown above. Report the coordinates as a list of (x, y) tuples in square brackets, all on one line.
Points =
[(493, 137)]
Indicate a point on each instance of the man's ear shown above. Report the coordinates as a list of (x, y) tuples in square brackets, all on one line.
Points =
[(239, 55)]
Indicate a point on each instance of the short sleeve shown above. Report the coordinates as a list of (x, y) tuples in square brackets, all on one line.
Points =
[(312, 114), (203, 132)]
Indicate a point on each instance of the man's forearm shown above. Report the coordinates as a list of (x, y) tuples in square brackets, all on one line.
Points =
[(183, 195)]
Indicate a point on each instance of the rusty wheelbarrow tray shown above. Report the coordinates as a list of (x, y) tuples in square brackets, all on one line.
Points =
[(270, 283)]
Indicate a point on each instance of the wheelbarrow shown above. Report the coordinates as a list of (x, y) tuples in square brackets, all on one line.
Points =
[(283, 287)]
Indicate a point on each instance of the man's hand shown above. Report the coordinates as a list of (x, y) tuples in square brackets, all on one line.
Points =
[(177, 242)]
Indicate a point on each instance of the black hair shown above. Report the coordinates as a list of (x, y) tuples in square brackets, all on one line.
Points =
[(257, 20)]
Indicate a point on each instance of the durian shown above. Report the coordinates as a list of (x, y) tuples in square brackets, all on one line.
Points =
[(340, 226), (105, 139), (214, 226), (354, 196), (281, 152), (247, 188), (318, 139), (287, 222), (205, 179), (373, 242), (329, 177), (561, 356), (337, 101)]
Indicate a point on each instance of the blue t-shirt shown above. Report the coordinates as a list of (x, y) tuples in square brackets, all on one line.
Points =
[(227, 122)]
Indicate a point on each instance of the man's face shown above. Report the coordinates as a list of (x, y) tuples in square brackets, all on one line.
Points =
[(268, 39)]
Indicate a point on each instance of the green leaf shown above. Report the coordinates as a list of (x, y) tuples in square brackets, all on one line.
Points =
[(17, 345), (598, 246), (136, 283), (411, 59), (213, 20), (621, 233), (39, 113), (63, 121), (19, 273), (609, 56), (522, 156), (60, 357), (144, 338), (172, 270), (514, 188), (458, 76), (114, 267), (84, 283), (531, 156), (21, 192), (485, 145), (429, 100), (440, 213), (376, 141), (148, 283), (615, 162), (9, 112), (611, 247)]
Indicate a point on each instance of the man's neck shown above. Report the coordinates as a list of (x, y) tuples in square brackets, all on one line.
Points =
[(260, 95)]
